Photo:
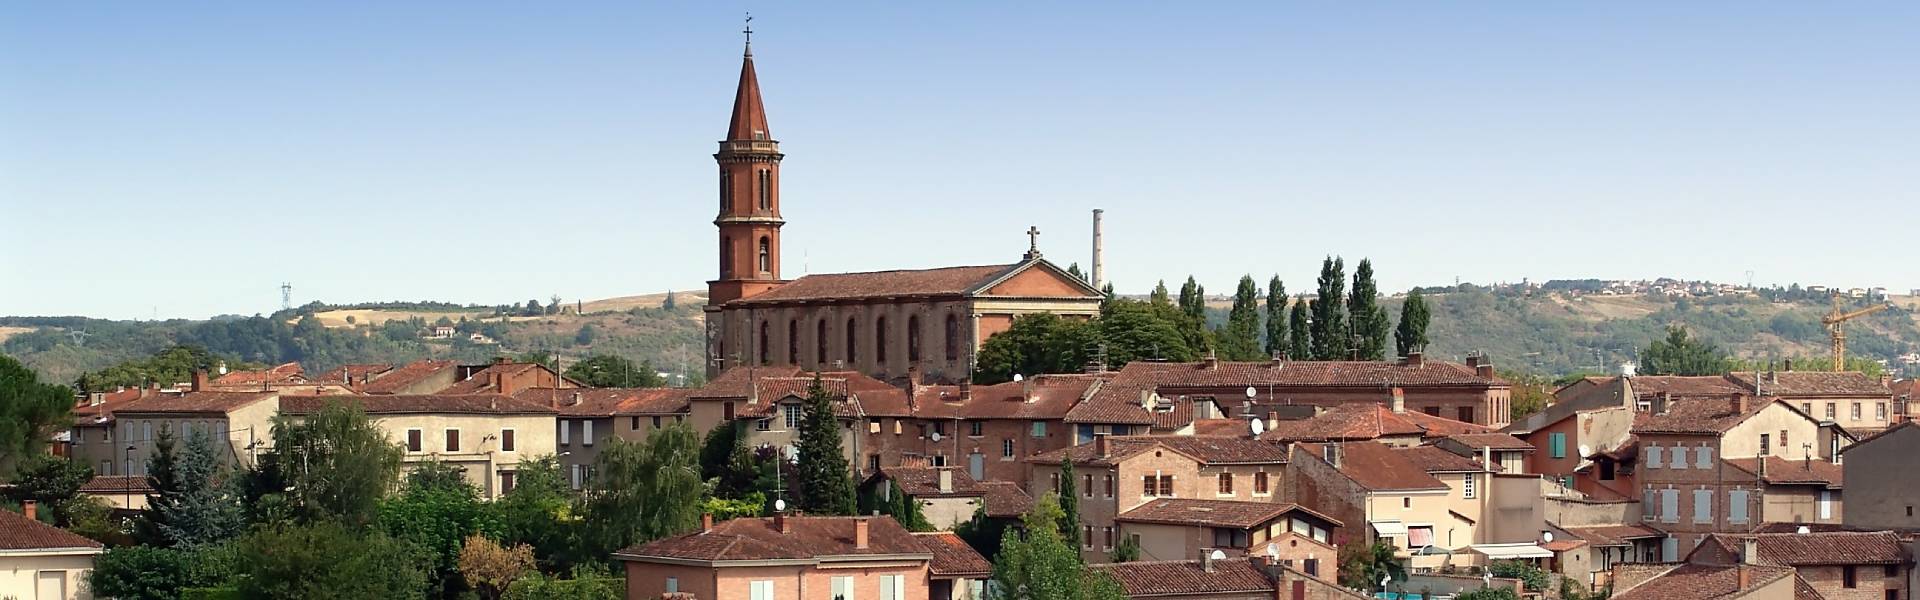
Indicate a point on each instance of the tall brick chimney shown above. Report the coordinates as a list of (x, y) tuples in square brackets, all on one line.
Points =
[(860, 529), (200, 381), (1100, 445), (1414, 359), (1399, 400), (31, 508), (706, 522)]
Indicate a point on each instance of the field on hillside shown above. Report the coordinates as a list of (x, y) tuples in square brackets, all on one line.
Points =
[(7, 332), (377, 316)]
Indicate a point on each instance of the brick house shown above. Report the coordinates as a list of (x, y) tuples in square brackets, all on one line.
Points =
[(1387, 423), (1432, 504), (1179, 527), (1688, 581), (1252, 578), (1120, 473), (788, 557), (1839, 565), (503, 376), (1848, 399), (1687, 486)]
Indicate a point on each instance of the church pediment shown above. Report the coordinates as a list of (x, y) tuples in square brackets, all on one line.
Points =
[(1037, 279)]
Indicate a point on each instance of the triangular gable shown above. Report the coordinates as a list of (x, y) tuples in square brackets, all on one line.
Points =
[(1036, 279)]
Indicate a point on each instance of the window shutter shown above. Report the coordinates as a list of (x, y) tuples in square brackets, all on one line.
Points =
[(1737, 506), (506, 440), (566, 432), (1653, 457), (1703, 506), (1649, 508), (1670, 506), (1679, 459), (586, 433), (1704, 457)]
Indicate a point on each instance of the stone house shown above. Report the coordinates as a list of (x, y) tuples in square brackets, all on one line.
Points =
[(1120, 473), (485, 435), (787, 557), (1838, 565), (1884, 491)]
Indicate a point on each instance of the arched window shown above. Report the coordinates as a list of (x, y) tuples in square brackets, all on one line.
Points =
[(726, 257), (880, 340), (766, 189), (853, 341), (726, 190), (766, 255), (913, 338), (793, 341), (763, 345), (820, 343), (953, 337)]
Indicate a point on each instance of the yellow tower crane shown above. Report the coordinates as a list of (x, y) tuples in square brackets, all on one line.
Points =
[(1836, 326)]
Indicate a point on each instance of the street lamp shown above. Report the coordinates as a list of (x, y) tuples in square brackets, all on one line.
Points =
[(129, 481)]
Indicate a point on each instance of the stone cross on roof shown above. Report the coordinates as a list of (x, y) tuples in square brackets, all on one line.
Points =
[(1033, 242)]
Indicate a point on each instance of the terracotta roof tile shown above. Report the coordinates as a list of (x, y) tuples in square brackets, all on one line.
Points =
[(1187, 577), (1826, 548), (952, 557), (118, 484), (481, 381), (194, 402), (1496, 441), (1436, 460), (1045, 397), (1696, 416), (1005, 499), (758, 539), (1213, 513), (282, 373), (405, 376), (1207, 450), (607, 402), (947, 281), (1221, 427), (1379, 467), (1702, 582), (924, 482), (351, 375), (1683, 386), (1119, 400), (87, 413), (483, 404), (1781, 471), (1615, 535), (17, 532), (1815, 384)]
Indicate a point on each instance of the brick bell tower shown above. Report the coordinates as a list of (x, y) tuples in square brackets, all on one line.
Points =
[(749, 220)]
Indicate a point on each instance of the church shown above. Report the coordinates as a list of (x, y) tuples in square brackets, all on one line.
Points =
[(923, 324)]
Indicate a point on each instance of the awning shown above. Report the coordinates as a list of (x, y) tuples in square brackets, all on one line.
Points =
[(1389, 527), (1511, 551)]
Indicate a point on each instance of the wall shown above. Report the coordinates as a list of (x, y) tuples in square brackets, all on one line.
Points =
[(19, 575), (741, 326), (1743, 440), (578, 451), (945, 513), (1516, 510), (1881, 491), (483, 459)]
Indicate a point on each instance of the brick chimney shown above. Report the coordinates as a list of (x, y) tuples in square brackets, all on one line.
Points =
[(1749, 556), (1414, 359), (200, 381), (31, 508), (1399, 400), (1212, 362), (1473, 361), (782, 523), (1100, 445), (860, 527), (1483, 370), (706, 522), (1738, 403)]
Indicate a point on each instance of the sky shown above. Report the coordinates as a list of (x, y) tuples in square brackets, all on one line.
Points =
[(163, 160)]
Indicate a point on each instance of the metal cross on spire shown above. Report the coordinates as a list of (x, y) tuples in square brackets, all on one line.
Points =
[(749, 32)]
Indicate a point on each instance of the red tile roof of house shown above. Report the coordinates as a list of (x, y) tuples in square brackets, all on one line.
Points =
[(758, 539), (608, 402), (1378, 467), (1119, 400), (1781, 471), (1366, 421), (1005, 499), (118, 484), (1702, 582), (1697, 416), (87, 413), (351, 375), (946, 281), (1684, 386), (1214, 513), (1222, 427), (481, 381), (1827, 548), (404, 376), (953, 557), (1436, 460), (1496, 441), (924, 482), (17, 532), (1045, 397), (1615, 535), (282, 373), (1207, 450), (1814, 384), (1187, 577), (194, 402), (466, 404), (1904, 387)]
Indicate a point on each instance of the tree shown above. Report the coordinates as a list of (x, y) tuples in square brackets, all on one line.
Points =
[(150, 526), (1362, 566), (982, 533), (1074, 270), (328, 560), (583, 586), (1489, 593), (149, 573), (1193, 302), (50, 481), (1277, 339), (891, 501), (533, 309), (1159, 295), (644, 491), (337, 462), (1040, 565), (610, 370), (1069, 505), (1680, 354), (539, 512), (92, 516), (1033, 344), (585, 336), (1411, 336), (1300, 328), (826, 481), (29, 412), (1370, 322), (1240, 339), (489, 568), (205, 509), (1531, 393), (725, 462), (1535, 578), (436, 511), (669, 302), (1134, 331), (1126, 550), (1331, 335)]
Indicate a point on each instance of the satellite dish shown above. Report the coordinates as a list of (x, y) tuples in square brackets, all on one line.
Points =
[(1585, 451), (1803, 530), (935, 436), (780, 505), (1273, 551), (1258, 426), (1217, 555), (1546, 536), (1017, 378), (1252, 392)]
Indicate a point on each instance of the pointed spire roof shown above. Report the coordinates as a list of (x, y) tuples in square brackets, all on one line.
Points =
[(749, 115)]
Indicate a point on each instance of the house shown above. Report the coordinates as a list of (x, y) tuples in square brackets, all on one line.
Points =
[(414, 378), (122, 492), (1799, 491), (947, 496), (988, 428), (1507, 451), (239, 422), (768, 404), (957, 572), (1610, 545), (1437, 507), (1686, 581), (1207, 578), (587, 418), (1839, 565), (1386, 422), (91, 441), (1688, 486), (503, 376), (1848, 399), (41, 561), (282, 377), (1119, 473), (1883, 491), (1181, 527), (485, 435), (792, 557)]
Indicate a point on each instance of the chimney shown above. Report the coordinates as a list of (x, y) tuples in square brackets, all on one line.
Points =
[(1760, 464), (1738, 403), (494, 380), (966, 389), (781, 523), (1483, 370), (1786, 365), (576, 399), (500, 360), (1886, 379), (1332, 453), (1273, 419), (1414, 359), (199, 380), (31, 508), (946, 481), (1399, 401), (1206, 560), (860, 532), (1026, 390), (96, 398), (1212, 361), (1098, 270), (1749, 555), (1660, 402), (706, 522), (1100, 445), (1473, 361)]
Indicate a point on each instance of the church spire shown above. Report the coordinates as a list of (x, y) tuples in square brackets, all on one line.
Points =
[(749, 115)]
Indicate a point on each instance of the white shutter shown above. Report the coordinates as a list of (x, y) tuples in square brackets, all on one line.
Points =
[(1737, 506), (1670, 506), (1679, 458), (575, 469), (1704, 459), (586, 433), (843, 588), (890, 587), (1653, 457), (1703, 506), (566, 432), (1826, 504), (761, 590)]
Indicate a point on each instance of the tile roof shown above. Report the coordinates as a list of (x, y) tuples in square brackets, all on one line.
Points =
[(1812, 384), (194, 402), (1825, 548), (1904, 387), (758, 539), (1187, 577), (952, 557), (118, 484), (87, 413), (482, 380), (1207, 450), (946, 281), (406, 375), (607, 402), (1221, 427), (1697, 416), (1879, 434), (282, 373), (1005, 499), (1366, 421), (1496, 441), (1119, 400), (1779, 527), (1214, 513), (1615, 535), (1702, 582), (466, 404), (1436, 460), (1045, 397), (353, 374), (1379, 467), (1781, 471), (1684, 386), (17, 532), (924, 482)]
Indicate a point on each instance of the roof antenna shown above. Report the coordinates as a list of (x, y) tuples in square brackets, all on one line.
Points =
[(749, 32)]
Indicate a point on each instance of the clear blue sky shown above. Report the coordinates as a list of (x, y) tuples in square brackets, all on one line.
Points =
[(182, 159)]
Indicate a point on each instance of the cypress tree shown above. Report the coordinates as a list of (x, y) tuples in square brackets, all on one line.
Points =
[(1074, 270), (1300, 329), (1160, 294), (1370, 321), (1240, 340), (1412, 334), (1277, 318), (1193, 303), (1330, 333), (1069, 505), (826, 481)]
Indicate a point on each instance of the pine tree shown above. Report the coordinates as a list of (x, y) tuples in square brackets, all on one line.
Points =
[(1330, 333), (1370, 322), (1069, 505), (1277, 318), (1300, 330), (166, 486), (207, 508), (826, 481), (1074, 270), (1240, 339), (1412, 334), (1160, 294)]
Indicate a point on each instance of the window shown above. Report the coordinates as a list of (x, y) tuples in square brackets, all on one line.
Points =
[(413, 440), (1826, 504), (976, 428), (1807, 407), (1108, 539), (453, 440), (673, 585), (1557, 445), (1166, 486), (1229, 538), (1039, 429), (1419, 536), (1737, 506), (1312, 566), (913, 338), (1106, 481), (574, 476), (1086, 536), (1890, 571), (873, 462), (820, 342), (880, 340), (1006, 448), (1670, 506), (953, 337), (1783, 439), (940, 427), (1879, 411), (853, 340), (1765, 446), (1849, 577), (726, 190), (1670, 549), (793, 341), (726, 414), (1703, 457), (793, 413), (633, 423), (1149, 486), (766, 189), (586, 433), (1432, 411), (1406, 503), (506, 440), (566, 432), (763, 425), (1703, 506), (1260, 483), (1856, 411), (765, 358), (1649, 505), (1679, 460), (1226, 484), (506, 481), (146, 431), (1830, 411), (1466, 414), (893, 587), (1466, 486), (843, 588), (1653, 455), (656, 422), (761, 589)]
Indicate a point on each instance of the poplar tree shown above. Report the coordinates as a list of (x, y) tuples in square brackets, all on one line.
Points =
[(1240, 339), (826, 481), (1193, 303), (1277, 318), (1412, 334), (1370, 321), (1069, 505), (1300, 330), (1330, 332), (1160, 294)]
